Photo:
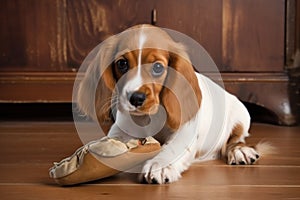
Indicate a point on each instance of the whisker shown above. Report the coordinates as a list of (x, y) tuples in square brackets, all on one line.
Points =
[(110, 103)]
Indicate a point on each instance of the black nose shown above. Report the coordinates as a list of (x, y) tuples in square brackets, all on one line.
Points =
[(137, 99)]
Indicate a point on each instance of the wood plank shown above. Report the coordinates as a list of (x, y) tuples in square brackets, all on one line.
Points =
[(218, 174), (129, 192), (29, 148)]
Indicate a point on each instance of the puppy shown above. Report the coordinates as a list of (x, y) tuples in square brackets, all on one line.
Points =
[(142, 83)]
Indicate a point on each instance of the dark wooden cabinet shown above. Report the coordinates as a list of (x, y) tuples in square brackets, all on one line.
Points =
[(33, 36), (253, 42)]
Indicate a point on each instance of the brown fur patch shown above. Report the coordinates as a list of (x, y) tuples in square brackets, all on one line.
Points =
[(236, 133), (234, 139), (197, 155)]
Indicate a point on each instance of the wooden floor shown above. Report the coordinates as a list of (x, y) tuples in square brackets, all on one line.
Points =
[(29, 148)]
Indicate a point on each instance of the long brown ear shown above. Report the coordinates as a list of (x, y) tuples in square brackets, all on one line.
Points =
[(181, 96), (96, 89)]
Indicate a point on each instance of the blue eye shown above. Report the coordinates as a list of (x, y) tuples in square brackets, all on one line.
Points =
[(157, 69), (122, 65)]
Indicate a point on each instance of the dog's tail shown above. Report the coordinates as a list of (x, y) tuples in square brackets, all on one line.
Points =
[(265, 148)]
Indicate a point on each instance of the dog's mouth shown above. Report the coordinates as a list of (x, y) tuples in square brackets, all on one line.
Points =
[(140, 125), (142, 111)]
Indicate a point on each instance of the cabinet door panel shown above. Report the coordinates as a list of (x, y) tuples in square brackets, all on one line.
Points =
[(91, 22), (33, 36), (253, 35), (240, 35), (199, 19)]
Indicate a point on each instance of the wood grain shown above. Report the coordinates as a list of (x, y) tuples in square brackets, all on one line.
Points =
[(200, 20), (33, 35), (253, 35), (21, 87), (57, 35), (29, 148), (89, 23), (249, 87)]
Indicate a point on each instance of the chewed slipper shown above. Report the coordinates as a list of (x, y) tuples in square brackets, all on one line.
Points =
[(103, 158)]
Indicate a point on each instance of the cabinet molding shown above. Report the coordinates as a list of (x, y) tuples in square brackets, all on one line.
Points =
[(267, 90), (29, 87)]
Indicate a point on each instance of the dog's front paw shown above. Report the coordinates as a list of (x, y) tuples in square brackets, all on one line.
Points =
[(154, 173), (242, 155)]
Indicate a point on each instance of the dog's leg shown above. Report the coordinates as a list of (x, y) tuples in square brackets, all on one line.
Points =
[(157, 171), (175, 157), (236, 150)]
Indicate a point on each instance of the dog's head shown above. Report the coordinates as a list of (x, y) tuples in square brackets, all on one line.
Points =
[(137, 71)]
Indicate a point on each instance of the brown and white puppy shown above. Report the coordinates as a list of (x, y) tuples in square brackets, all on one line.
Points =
[(142, 71)]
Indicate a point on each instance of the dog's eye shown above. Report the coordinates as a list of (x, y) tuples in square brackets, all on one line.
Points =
[(157, 69), (122, 65)]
